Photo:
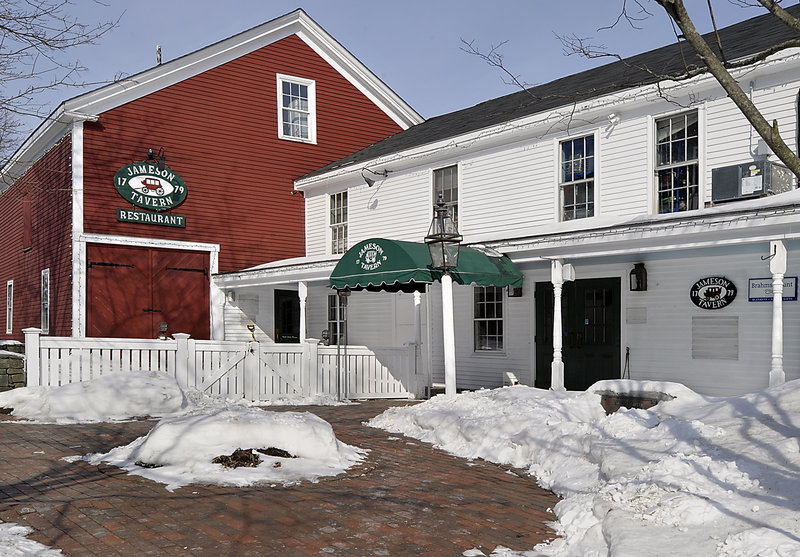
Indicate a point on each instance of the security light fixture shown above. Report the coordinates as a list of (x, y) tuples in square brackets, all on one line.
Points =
[(370, 181), (160, 158), (443, 239), (638, 278)]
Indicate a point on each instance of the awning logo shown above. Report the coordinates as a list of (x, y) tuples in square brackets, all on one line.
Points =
[(370, 257)]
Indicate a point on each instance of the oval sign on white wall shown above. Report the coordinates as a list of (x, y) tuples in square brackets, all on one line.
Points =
[(712, 293)]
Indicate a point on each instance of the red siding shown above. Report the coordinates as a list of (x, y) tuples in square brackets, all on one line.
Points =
[(46, 188), (219, 130)]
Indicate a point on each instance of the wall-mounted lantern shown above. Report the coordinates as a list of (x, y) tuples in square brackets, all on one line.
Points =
[(638, 278)]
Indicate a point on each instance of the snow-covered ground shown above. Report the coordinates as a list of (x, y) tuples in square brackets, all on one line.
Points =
[(13, 543), (193, 430), (691, 476)]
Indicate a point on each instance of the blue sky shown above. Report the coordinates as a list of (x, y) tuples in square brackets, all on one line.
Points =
[(413, 45)]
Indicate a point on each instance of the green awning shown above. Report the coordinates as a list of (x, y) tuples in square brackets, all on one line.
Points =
[(395, 265)]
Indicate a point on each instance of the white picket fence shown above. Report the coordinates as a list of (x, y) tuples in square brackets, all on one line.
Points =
[(250, 370)]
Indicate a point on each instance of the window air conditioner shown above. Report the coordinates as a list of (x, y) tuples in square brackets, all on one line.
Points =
[(749, 180)]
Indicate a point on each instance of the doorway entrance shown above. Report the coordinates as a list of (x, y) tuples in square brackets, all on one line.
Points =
[(287, 316), (590, 311), (133, 289)]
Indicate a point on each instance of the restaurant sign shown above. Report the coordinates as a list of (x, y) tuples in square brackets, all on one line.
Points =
[(760, 289), (147, 186), (145, 217), (712, 293)]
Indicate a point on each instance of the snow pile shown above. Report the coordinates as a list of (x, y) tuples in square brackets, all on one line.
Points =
[(195, 429), (116, 396), (13, 543), (719, 476), (179, 450)]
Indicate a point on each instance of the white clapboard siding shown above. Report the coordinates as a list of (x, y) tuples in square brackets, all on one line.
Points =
[(316, 207), (398, 208), (623, 179), (663, 345), (317, 309), (521, 176)]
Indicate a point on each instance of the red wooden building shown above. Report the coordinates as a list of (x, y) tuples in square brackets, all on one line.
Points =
[(115, 212)]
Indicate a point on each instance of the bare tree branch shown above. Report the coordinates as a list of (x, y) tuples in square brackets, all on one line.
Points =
[(35, 39), (769, 133)]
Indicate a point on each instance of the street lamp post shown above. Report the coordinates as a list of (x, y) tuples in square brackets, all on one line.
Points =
[(444, 244)]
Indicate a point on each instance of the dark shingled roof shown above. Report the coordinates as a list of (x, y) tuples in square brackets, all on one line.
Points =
[(738, 41)]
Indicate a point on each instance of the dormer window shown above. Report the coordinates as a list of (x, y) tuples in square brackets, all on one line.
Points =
[(296, 109)]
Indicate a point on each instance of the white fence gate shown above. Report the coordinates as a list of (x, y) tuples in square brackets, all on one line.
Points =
[(250, 370)]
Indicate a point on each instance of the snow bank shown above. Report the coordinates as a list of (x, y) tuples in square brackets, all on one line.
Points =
[(13, 543), (178, 451), (116, 396), (709, 476)]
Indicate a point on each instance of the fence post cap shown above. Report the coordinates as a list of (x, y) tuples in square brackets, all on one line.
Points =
[(180, 336), (32, 330)]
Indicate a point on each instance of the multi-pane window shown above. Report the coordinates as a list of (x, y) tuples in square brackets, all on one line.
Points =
[(337, 314), (676, 162), (296, 109), (338, 222), (576, 178), (9, 307), (488, 320), (445, 187), (45, 301)]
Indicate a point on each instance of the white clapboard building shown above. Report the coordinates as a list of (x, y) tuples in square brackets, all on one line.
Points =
[(647, 208)]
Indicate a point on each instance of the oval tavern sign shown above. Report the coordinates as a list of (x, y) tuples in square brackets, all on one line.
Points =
[(712, 293), (149, 187)]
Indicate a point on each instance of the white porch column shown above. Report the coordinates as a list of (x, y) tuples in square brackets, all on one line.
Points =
[(777, 266), (449, 332), (302, 293), (417, 317), (558, 274)]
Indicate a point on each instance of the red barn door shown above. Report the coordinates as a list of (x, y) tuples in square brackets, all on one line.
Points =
[(133, 289)]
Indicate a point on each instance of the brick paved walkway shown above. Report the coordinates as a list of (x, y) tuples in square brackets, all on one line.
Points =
[(405, 499)]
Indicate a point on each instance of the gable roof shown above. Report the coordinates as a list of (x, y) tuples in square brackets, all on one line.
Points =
[(88, 106), (739, 41)]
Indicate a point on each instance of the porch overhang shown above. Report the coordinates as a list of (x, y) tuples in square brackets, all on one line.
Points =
[(395, 265)]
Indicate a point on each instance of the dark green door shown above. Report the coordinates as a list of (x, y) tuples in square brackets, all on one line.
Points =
[(590, 311), (287, 316)]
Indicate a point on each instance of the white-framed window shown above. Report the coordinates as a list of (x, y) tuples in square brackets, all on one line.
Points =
[(488, 318), (337, 314), (676, 162), (576, 177), (338, 222), (297, 108), (445, 187), (9, 307), (45, 301)]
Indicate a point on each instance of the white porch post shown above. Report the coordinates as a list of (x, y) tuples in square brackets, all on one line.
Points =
[(419, 388), (558, 274), (417, 317), (777, 266), (449, 336), (33, 370), (302, 293)]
